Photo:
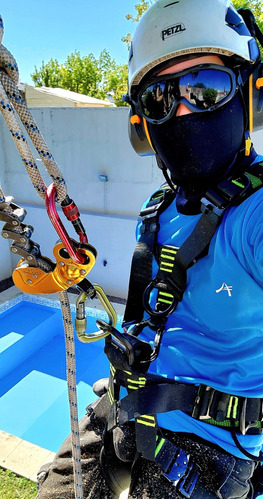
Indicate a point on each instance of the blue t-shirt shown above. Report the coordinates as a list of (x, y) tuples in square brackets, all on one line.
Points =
[(215, 336)]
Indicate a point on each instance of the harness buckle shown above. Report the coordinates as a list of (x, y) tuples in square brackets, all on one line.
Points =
[(208, 207), (217, 200), (203, 403), (125, 351), (244, 425)]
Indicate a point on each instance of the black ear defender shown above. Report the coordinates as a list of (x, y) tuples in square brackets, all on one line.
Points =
[(256, 98), (255, 81), (138, 131)]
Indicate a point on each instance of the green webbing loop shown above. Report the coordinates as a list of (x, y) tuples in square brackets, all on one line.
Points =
[(255, 181)]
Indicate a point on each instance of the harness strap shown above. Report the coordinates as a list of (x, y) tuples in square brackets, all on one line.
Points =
[(200, 402), (146, 428), (171, 279), (142, 257)]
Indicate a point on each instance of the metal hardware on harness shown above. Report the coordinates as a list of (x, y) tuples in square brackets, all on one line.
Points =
[(177, 467), (203, 402), (9, 211), (155, 284), (125, 351), (74, 252), (20, 233), (244, 425), (65, 273), (215, 201), (81, 321)]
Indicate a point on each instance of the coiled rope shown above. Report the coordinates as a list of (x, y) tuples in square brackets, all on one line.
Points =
[(11, 105)]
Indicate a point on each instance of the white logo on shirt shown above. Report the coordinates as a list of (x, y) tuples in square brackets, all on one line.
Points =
[(225, 287)]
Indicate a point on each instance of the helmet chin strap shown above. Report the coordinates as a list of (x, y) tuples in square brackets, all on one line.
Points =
[(164, 170)]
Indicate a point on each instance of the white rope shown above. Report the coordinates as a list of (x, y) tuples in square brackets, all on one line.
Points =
[(12, 103), (72, 392)]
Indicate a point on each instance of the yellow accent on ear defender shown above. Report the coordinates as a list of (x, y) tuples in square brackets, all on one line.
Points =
[(250, 105), (259, 83), (135, 119), (147, 133), (248, 144)]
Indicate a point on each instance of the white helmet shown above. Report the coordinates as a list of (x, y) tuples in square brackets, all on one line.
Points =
[(176, 28)]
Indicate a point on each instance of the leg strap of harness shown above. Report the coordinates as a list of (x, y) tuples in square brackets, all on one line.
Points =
[(177, 466)]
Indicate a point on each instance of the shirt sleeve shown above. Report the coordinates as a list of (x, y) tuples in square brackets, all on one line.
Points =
[(247, 234)]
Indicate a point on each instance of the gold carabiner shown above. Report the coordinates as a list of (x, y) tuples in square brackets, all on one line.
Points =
[(81, 320)]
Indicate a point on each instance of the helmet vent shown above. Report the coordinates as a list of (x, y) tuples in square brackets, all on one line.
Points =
[(235, 21), (171, 3)]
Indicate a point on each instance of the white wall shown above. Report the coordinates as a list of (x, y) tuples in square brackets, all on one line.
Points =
[(87, 142)]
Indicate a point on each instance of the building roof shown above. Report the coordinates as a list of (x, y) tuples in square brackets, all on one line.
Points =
[(47, 96), (73, 96)]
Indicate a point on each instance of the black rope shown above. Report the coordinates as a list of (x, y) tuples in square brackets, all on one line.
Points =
[(240, 447)]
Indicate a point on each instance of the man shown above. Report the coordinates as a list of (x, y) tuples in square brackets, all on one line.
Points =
[(186, 387)]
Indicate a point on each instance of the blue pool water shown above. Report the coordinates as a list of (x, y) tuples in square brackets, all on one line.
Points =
[(33, 387)]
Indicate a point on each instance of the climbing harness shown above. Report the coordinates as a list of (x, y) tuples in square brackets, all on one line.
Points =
[(35, 273), (150, 301)]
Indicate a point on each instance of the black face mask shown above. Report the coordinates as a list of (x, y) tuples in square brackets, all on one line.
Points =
[(199, 149)]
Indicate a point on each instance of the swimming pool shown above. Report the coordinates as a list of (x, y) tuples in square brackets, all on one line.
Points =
[(33, 388)]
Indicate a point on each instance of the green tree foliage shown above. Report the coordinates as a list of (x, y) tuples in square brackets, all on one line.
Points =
[(140, 9), (85, 75), (255, 5), (97, 77), (210, 96), (47, 75)]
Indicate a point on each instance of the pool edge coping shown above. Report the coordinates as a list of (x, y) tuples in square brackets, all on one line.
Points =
[(55, 304), (22, 457)]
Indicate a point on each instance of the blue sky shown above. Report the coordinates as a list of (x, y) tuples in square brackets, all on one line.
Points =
[(38, 30)]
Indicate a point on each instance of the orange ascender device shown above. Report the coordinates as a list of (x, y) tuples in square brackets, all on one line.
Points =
[(66, 272), (73, 260)]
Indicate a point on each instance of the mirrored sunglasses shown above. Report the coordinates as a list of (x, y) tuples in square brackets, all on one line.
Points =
[(201, 88)]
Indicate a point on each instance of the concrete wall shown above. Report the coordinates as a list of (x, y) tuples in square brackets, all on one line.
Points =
[(87, 143)]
